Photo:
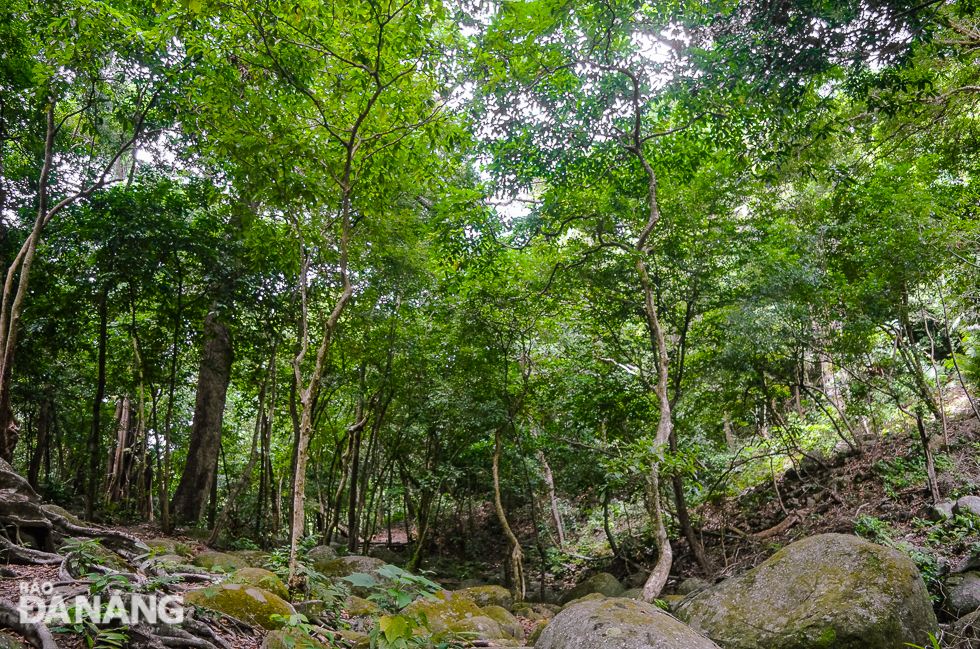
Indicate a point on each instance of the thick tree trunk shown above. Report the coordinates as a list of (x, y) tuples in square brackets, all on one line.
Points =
[(930, 463), (191, 497)]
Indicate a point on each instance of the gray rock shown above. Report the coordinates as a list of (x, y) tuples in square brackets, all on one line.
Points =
[(471, 583), (636, 580), (830, 590), (320, 556), (964, 594), (967, 631), (813, 461), (603, 583), (968, 505), (942, 511), (968, 563), (618, 624), (688, 586)]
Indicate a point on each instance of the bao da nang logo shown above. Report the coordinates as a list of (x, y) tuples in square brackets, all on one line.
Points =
[(149, 608)]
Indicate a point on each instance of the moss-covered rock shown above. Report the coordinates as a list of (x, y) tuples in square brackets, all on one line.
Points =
[(60, 511), (443, 610), (617, 623), (320, 556), (691, 585), (253, 605), (535, 634), (632, 593), (603, 583), (487, 596), (346, 566), (508, 623), (830, 590), (485, 627), (260, 579), (535, 612), (218, 562), (291, 639), (591, 597), (252, 558), (672, 601), (10, 641), (175, 563), (359, 607), (169, 546)]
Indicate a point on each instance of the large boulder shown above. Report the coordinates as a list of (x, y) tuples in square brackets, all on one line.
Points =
[(830, 590), (253, 605), (218, 562), (487, 596), (964, 593), (320, 556), (479, 626), (603, 583), (347, 566), (443, 610), (616, 623), (260, 579), (252, 558)]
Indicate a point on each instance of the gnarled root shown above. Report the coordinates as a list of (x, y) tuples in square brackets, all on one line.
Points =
[(20, 554), (37, 633)]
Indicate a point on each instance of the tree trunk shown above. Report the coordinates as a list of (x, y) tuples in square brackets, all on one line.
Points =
[(550, 480), (930, 464), (191, 497), (516, 557), (43, 424), (95, 433)]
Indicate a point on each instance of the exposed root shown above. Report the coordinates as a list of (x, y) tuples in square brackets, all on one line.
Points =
[(20, 554), (37, 633)]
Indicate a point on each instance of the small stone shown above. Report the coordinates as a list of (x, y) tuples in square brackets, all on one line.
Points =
[(941, 512)]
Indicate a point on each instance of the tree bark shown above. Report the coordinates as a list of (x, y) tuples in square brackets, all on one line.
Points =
[(191, 497), (550, 480), (516, 557), (41, 446), (95, 433)]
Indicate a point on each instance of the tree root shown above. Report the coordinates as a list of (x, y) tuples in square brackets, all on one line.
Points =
[(120, 542), (27, 555), (37, 633)]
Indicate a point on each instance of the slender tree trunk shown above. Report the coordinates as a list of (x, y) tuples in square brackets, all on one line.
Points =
[(41, 446), (930, 463), (550, 481), (200, 473), (164, 480), (516, 557), (95, 433)]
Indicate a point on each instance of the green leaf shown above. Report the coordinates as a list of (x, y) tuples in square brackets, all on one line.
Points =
[(360, 580)]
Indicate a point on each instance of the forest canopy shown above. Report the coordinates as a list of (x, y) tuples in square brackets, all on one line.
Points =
[(315, 270)]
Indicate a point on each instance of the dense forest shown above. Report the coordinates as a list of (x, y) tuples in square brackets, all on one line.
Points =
[(509, 294)]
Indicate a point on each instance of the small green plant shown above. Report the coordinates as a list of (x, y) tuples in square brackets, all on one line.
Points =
[(872, 529), (101, 583), (95, 637), (85, 553), (405, 587), (298, 631), (932, 639), (244, 544)]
